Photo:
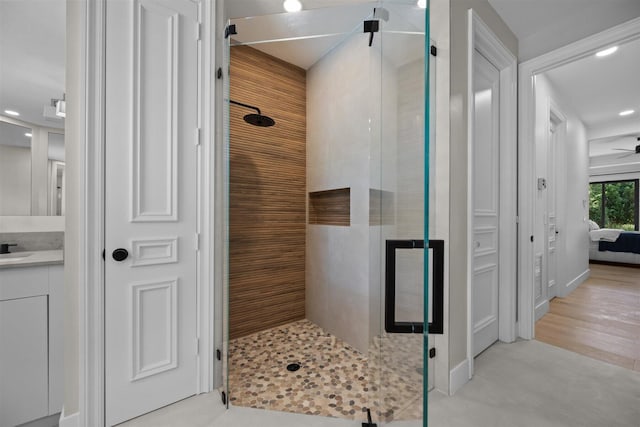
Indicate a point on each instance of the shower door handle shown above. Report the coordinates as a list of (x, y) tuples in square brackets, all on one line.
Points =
[(436, 326)]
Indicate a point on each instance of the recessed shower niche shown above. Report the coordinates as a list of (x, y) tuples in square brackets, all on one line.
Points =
[(330, 207)]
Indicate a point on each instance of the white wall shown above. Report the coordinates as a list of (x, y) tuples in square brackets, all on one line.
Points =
[(572, 179), (365, 131), (338, 147), (75, 204), (613, 164), (458, 163)]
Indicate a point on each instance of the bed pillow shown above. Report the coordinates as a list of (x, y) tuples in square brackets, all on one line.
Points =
[(593, 225)]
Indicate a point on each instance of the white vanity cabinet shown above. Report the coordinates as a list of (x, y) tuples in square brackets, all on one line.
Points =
[(31, 350)]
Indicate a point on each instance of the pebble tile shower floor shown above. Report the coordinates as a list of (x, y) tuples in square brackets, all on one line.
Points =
[(334, 379)]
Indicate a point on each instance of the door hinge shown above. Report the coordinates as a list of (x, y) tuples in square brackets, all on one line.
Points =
[(198, 31), (230, 31), (218, 354), (517, 220), (103, 255), (369, 422), (197, 346), (198, 140), (371, 26), (432, 353), (434, 51), (197, 241)]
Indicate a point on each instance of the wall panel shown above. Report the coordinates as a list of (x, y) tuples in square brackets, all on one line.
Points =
[(267, 194)]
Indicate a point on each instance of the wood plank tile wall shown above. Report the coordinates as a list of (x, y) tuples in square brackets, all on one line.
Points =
[(267, 194)]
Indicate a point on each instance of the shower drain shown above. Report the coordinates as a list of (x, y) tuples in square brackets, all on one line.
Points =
[(292, 367)]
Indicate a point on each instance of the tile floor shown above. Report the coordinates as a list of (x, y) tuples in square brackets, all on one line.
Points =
[(524, 384), (334, 379)]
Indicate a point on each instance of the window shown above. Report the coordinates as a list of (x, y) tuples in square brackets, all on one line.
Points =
[(614, 204)]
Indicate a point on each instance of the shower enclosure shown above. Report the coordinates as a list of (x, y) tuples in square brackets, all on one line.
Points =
[(327, 218)]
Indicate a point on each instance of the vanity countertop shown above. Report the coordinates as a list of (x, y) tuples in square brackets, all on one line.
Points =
[(30, 259)]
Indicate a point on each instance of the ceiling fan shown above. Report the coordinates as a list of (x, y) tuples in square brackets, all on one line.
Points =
[(630, 152)]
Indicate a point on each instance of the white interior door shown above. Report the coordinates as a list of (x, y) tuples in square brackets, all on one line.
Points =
[(552, 217), (151, 187), (486, 202)]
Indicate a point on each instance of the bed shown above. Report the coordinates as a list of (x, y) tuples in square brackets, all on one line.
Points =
[(614, 246)]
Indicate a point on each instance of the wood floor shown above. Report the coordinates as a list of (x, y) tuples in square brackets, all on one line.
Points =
[(600, 319)]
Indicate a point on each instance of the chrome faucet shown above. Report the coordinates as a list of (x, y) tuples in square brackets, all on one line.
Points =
[(4, 247)]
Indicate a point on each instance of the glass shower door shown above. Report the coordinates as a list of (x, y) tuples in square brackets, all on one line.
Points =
[(366, 174), (406, 265)]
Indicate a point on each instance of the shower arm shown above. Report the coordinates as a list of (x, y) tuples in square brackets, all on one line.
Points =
[(231, 101)]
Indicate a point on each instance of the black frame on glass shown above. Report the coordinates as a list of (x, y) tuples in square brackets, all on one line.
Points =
[(437, 324)]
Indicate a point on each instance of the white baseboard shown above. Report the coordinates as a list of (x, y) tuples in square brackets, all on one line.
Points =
[(72, 420), (541, 309), (459, 376), (575, 282)]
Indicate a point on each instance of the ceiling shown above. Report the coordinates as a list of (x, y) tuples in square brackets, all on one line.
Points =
[(32, 49), (246, 8), (304, 37), (32, 57), (598, 89), (545, 25)]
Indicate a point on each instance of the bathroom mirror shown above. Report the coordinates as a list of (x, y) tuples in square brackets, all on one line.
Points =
[(32, 168), (32, 72), (15, 169)]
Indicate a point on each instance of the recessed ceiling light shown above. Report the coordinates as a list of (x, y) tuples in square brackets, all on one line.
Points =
[(627, 112), (292, 5), (607, 52), (28, 135), (12, 113), (422, 4)]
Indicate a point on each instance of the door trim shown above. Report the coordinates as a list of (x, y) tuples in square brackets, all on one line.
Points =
[(481, 38), (526, 176), (89, 125)]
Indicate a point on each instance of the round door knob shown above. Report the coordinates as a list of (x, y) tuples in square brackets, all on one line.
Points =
[(120, 254)]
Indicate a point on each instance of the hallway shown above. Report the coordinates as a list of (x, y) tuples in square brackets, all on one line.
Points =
[(599, 319)]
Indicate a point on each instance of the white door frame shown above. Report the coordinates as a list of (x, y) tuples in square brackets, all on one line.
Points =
[(555, 115), (527, 181), (481, 38), (90, 110)]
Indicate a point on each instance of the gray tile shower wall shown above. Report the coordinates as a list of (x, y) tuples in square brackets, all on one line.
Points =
[(34, 241)]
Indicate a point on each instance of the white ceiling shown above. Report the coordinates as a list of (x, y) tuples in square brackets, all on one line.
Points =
[(545, 25), (247, 8), (600, 88), (304, 37), (597, 88), (32, 57), (32, 40)]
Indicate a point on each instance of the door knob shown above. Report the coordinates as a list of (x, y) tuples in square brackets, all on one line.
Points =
[(120, 254)]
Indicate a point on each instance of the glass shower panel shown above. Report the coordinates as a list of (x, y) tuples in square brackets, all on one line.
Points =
[(222, 153), (400, 169), (364, 184)]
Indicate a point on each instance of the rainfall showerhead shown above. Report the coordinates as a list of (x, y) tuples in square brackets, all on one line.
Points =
[(259, 120), (255, 119)]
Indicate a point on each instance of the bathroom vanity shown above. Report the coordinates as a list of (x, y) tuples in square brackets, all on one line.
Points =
[(31, 334)]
